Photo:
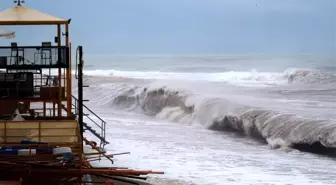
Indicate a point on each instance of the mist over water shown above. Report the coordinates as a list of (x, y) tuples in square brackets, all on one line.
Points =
[(279, 105)]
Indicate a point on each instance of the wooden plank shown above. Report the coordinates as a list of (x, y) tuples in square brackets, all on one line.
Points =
[(2, 132), (58, 124), (19, 139), (58, 132), (22, 132), (46, 121), (72, 139), (10, 182), (22, 125)]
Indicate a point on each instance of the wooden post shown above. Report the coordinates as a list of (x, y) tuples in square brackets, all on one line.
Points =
[(54, 108), (68, 73), (44, 109), (64, 77), (59, 106), (5, 132)]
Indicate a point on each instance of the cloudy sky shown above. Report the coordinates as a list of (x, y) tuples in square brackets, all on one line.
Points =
[(190, 26)]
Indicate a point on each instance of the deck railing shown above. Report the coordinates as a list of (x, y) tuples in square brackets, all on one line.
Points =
[(34, 57), (36, 93), (28, 85)]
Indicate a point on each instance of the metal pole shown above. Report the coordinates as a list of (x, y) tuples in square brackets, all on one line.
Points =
[(80, 89)]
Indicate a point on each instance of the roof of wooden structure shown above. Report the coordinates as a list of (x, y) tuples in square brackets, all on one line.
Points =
[(22, 15)]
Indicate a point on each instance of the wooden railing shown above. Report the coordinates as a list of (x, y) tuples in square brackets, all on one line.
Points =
[(65, 131)]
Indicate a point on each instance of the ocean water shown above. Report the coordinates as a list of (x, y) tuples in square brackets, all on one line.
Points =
[(215, 120)]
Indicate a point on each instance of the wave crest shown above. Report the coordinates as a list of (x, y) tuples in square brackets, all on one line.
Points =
[(253, 77), (309, 76)]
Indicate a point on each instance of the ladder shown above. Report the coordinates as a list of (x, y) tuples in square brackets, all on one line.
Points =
[(92, 120)]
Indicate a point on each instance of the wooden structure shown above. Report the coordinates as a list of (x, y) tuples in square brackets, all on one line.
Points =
[(40, 57), (41, 121)]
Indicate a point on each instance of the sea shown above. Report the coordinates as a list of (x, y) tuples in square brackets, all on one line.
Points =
[(218, 119)]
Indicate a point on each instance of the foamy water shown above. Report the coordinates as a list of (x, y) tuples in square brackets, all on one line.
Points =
[(222, 125)]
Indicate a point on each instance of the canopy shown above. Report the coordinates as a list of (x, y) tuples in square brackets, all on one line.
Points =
[(7, 34), (21, 15)]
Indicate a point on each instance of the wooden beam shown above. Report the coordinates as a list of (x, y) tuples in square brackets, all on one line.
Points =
[(68, 73), (14, 23), (59, 105), (54, 108), (44, 109)]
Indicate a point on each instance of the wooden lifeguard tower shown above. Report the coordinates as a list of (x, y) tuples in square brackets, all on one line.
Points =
[(41, 121)]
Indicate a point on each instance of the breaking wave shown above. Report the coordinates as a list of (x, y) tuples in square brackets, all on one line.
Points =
[(309, 76), (279, 130)]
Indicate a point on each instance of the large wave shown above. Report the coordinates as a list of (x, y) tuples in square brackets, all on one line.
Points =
[(276, 128), (221, 113)]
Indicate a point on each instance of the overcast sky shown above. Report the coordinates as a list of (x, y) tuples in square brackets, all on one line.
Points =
[(190, 26)]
